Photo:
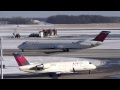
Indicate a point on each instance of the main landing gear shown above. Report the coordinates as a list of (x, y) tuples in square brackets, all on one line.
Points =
[(22, 50), (89, 71), (65, 50)]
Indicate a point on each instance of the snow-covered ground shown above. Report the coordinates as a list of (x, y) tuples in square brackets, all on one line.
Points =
[(8, 30), (117, 76), (62, 32), (11, 65), (109, 44), (13, 43)]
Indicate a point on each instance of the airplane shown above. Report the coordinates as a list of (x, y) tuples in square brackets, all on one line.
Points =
[(53, 69), (98, 40)]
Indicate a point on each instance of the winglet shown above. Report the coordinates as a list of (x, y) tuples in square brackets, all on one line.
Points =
[(20, 59), (101, 37)]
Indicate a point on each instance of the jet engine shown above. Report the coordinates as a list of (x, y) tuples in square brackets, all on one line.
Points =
[(42, 66), (39, 67)]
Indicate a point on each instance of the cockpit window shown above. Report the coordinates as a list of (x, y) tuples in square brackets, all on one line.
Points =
[(24, 43)]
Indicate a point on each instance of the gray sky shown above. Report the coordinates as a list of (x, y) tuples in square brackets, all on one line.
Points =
[(51, 13)]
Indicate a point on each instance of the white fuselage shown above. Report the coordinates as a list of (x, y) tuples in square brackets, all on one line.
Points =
[(76, 45), (59, 67)]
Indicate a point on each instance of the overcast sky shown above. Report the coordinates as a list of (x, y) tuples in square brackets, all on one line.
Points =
[(51, 13)]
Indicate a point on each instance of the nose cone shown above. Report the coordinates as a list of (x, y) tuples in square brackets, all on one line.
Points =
[(20, 46), (94, 67)]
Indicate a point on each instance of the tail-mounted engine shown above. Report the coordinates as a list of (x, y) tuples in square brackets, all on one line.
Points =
[(42, 66)]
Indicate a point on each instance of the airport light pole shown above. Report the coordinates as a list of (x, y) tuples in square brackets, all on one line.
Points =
[(1, 57)]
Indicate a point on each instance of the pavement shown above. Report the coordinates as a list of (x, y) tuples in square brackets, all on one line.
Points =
[(99, 73)]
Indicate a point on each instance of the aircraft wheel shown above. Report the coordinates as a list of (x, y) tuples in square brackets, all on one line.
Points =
[(89, 72), (53, 75), (65, 50), (22, 50), (59, 75)]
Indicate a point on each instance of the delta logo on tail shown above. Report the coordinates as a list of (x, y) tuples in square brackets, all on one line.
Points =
[(20, 59), (101, 37)]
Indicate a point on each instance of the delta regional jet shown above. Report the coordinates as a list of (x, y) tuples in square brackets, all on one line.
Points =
[(53, 69), (98, 40)]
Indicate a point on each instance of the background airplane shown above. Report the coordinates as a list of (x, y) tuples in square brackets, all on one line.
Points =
[(98, 40), (53, 69)]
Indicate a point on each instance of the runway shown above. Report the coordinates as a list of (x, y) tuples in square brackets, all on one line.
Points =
[(86, 53)]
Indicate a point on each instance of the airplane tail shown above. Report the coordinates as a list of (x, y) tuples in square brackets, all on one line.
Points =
[(101, 37), (20, 59)]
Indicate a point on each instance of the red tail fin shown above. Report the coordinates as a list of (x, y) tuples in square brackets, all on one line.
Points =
[(20, 59), (101, 37)]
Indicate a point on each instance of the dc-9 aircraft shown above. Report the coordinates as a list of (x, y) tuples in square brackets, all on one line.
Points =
[(98, 40)]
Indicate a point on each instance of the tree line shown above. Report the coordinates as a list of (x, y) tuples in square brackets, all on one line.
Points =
[(19, 20), (16, 20), (64, 19), (81, 19)]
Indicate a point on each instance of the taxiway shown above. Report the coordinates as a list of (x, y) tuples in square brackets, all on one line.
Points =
[(86, 53), (99, 73)]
